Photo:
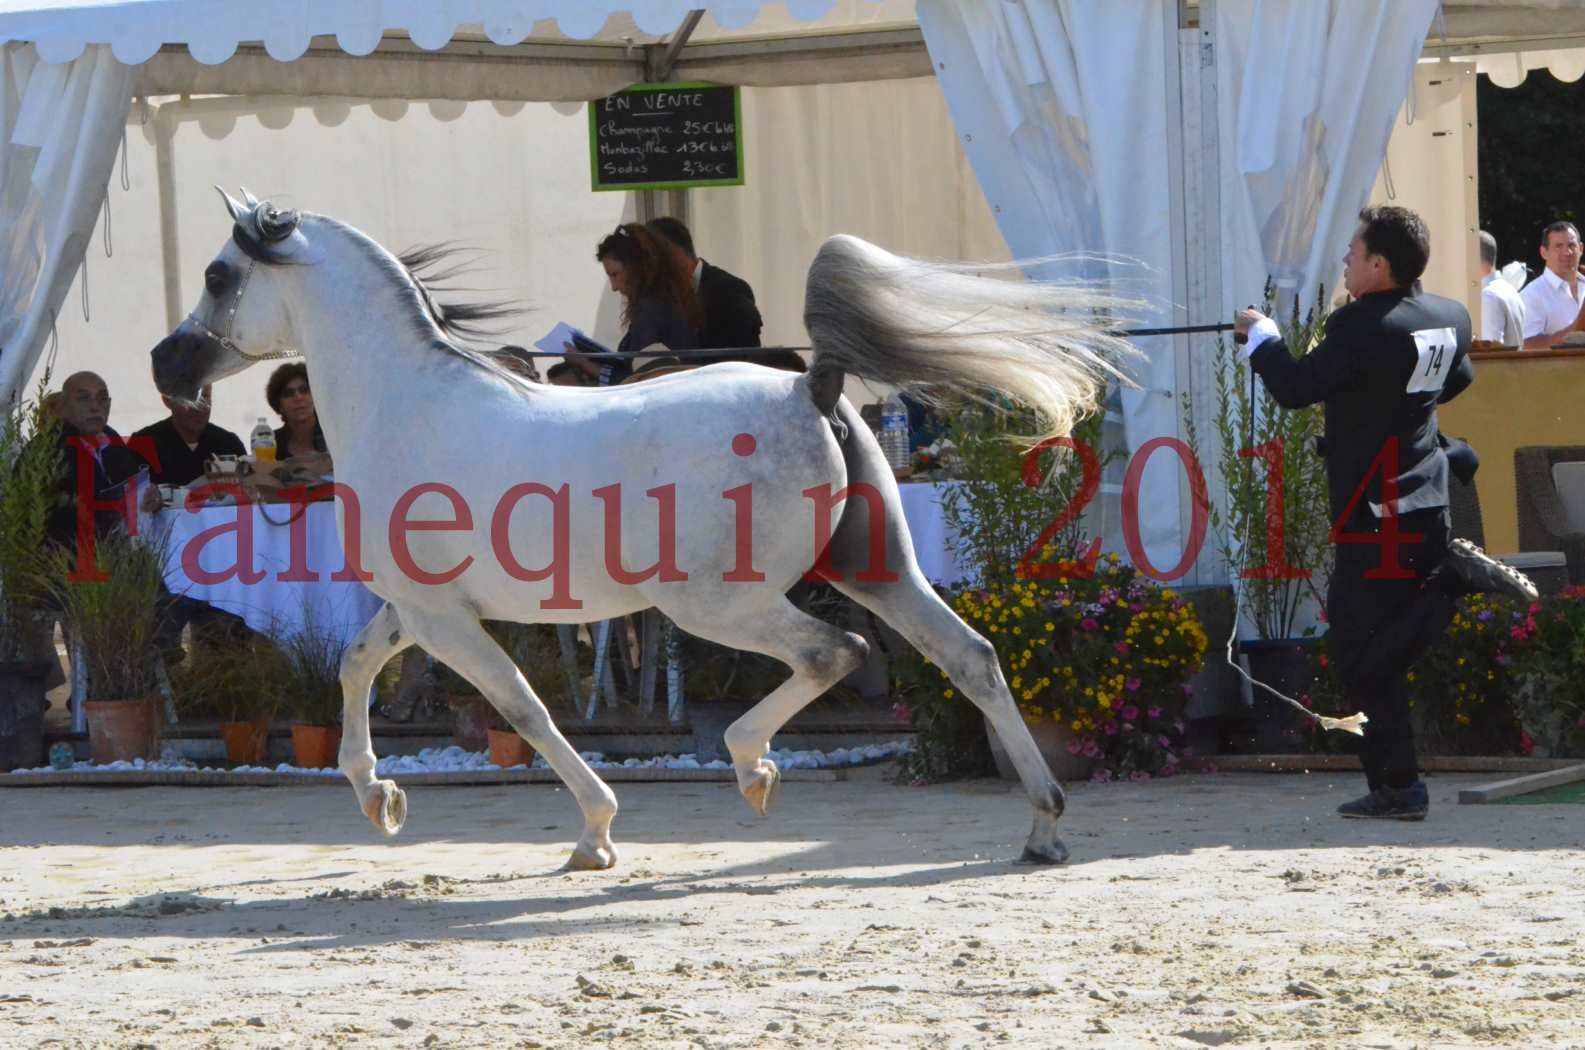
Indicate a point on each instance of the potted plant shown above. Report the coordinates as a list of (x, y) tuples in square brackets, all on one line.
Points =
[(113, 620), (1099, 660), (238, 684), (1267, 482), (30, 471), (1550, 639), (1065, 668), (311, 691)]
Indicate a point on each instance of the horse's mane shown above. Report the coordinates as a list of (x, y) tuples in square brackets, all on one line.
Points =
[(423, 269)]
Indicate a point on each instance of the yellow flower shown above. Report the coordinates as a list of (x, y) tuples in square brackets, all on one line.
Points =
[(948, 694)]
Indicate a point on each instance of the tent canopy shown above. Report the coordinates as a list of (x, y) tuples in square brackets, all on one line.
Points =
[(553, 50)]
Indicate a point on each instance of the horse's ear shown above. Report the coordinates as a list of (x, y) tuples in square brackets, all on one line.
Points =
[(237, 209), (249, 199)]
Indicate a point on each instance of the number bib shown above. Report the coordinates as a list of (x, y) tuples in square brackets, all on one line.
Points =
[(1437, 347)]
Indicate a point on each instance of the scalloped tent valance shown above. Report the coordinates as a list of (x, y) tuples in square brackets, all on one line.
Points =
[(212, 30)]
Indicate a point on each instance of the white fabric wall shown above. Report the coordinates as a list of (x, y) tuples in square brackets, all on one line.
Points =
[(1062, 108), (880, 161), (59, 125), (1309, 90)]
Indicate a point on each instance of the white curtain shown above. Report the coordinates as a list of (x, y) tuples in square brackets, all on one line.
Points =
[(1062, 109), (60, 127), (1309, 91)]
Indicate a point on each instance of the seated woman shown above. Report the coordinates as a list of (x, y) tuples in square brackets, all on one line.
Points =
[(299, 442), (658, 301)]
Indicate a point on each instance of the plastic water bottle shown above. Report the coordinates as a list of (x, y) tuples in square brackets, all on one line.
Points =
[(894, 435), (263, 442)]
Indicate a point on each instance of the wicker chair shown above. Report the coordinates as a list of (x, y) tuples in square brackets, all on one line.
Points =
[(1542, 523), (1548, 569)]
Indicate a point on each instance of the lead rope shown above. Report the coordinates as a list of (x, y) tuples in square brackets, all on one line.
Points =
[(1354, 723)]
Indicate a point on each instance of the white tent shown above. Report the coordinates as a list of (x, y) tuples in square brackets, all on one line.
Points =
[(1170, 132)]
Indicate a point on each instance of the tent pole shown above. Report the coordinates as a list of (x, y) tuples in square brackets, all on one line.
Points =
[(659, 61), (170, 245)]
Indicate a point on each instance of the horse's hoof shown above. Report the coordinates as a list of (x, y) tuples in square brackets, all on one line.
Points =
[(386, 807), (1051, 851), (760, 792), (592, 858)]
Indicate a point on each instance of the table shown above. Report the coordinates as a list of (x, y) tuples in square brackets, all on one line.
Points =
[(271, 606), (935, 545)]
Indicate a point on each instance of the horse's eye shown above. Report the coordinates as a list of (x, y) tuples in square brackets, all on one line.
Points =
[(217, 278)]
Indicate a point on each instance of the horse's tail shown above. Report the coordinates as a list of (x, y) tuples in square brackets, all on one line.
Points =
[(940, 328)]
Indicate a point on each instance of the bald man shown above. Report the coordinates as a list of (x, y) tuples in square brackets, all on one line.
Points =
[(85, 417)]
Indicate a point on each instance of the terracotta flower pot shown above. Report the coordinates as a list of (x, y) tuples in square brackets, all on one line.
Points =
[(471, 719), (507, 749), (123, 730), (1052, 738), (247, 743), (315, 747)]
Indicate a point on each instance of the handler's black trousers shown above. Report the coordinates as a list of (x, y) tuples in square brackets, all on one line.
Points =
[(1380, 627)]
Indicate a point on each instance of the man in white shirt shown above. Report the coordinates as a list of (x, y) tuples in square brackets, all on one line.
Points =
[(1552, 301), (1501, 309)]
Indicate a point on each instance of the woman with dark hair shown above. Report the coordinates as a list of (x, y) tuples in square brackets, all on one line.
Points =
[(658, 301), (299, 435)]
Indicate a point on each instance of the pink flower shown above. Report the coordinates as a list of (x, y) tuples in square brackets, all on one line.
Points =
[(1163, 741), (1526, 742), (1111, 728), (1154, 712), (1139, 774), (1088, 624), (902, 712), (1130, 713), (1101, 776), (1132, 685), (1091, 749), (1075, 746), (1122, 648)]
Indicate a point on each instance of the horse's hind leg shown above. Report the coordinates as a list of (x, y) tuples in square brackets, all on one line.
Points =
[(920, 616), (819, 654), (381, 800), (460, 641)]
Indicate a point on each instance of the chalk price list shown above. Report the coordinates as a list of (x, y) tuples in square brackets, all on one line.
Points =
[(644, 137)]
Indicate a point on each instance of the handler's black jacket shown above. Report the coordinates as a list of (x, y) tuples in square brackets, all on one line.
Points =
[(1386, 362)]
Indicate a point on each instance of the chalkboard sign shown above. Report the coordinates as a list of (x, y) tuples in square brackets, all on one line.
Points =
[(665, 137)]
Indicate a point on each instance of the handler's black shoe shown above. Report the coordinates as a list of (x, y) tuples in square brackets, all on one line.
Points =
[(1481, 572), (1385, 803)]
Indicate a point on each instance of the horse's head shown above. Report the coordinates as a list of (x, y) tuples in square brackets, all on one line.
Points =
[(241, 317)]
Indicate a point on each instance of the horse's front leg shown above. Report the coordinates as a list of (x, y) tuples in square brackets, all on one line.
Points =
[(459, 640), (382, 801)]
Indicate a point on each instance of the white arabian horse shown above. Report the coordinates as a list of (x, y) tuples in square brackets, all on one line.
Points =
[(548, 504)]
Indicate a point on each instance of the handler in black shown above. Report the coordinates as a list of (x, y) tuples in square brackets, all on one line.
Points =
[(1388, 359)]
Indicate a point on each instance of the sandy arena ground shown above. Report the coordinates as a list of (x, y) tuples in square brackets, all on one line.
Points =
[(1224, 910)]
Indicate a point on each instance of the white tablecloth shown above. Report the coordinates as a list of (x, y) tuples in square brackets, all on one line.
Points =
[(934, 544), (280, 609)]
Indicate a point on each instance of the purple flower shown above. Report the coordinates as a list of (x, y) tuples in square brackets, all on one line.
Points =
[(1111, 727), (1483, 615), (1130, 713), (1132, 685), (1088, 624), (1164, 742), (1154, 712), (1122, 648)]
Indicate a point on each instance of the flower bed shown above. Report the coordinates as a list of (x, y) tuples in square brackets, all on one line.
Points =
[(1106, 653)]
